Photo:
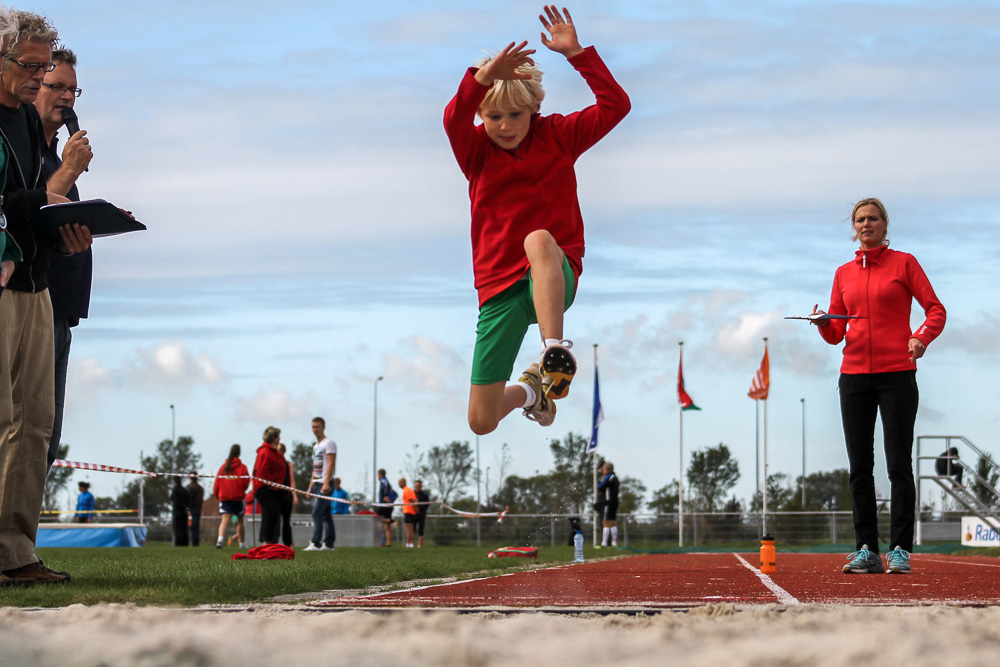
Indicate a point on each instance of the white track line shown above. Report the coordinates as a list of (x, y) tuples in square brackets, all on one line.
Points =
[(783, 596), (951, 562)]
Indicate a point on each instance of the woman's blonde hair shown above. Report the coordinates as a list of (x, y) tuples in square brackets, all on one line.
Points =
[(507, 95), (271, 434), (871, 201)]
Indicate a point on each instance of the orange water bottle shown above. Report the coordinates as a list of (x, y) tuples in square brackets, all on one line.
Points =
[(767, 554)]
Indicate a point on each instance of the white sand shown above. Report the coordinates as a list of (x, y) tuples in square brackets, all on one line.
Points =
[(716, 635)]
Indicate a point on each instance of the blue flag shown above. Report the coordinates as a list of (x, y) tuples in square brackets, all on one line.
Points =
[(598, 414)]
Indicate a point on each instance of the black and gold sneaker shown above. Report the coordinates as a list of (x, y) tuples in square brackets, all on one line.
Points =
[(558, 367)]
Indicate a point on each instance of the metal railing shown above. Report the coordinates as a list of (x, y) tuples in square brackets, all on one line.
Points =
[(989, 511)]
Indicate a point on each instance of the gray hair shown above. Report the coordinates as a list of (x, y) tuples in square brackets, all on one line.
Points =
[(8, 27), (32, 28)]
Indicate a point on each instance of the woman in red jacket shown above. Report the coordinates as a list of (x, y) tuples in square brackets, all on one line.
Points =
[(270, 466), (878, 375), (230, 492)]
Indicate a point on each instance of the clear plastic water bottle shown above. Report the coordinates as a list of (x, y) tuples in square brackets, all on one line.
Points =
[(578, 547)]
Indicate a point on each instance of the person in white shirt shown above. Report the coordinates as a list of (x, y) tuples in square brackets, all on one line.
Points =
[(324, 466)]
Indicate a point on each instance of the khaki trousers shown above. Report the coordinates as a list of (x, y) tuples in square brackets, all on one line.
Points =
[(27, 362)]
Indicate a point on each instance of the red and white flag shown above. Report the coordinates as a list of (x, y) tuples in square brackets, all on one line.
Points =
[(761, 380), (682, 396)]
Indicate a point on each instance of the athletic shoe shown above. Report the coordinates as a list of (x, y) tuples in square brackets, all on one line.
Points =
[(864, 561), (34, 573), (542, 411), (558, 367), (218, 543), (323, 548), (312, 547), (897, 561)]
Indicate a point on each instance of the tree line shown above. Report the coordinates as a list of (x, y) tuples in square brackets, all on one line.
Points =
[(449, 473)]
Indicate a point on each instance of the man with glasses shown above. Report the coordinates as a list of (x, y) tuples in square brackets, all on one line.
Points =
[(26, 350), (69, 275)]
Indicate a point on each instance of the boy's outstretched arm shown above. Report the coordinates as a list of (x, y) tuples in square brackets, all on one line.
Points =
[(562, 30), (504, 65)]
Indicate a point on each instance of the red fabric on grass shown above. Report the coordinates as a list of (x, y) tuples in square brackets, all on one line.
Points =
[(267, 552)]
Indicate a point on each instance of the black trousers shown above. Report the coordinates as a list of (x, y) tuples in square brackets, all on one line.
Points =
[(895, 397), (180, 528), (269, 500), (195, 529), (286, 518)]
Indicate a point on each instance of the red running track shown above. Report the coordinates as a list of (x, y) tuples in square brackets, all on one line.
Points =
[(686, 580)]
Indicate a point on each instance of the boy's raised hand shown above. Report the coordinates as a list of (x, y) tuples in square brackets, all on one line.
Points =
[(563, 32), (504, 65)]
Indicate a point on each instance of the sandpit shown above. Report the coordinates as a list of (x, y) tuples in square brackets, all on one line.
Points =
[(711, 635)]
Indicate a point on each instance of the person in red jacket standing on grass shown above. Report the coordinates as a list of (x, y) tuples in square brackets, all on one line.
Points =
[(527, 228), (270, 466), (878, 375), (230, 487)]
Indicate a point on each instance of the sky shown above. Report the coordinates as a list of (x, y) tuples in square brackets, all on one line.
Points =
[(308, 228)]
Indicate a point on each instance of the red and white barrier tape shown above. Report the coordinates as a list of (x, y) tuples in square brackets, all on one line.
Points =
[(59, 463)]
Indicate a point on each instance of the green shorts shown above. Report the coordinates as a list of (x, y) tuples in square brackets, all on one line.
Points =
[(503, 321)]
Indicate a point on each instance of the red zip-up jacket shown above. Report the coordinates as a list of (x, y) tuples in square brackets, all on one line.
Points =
[(270, 465), (880, 285), (532, 187), (232, 489)]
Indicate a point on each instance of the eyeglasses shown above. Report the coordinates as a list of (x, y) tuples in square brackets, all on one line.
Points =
[(59, 89), (31, 68)]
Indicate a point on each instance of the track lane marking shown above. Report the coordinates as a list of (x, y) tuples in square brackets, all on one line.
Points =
[(783, 596), (953, 562)]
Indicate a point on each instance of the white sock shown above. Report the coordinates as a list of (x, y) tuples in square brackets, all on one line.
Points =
[(550, 341), (614, 536), (529, 401), (605, 536)]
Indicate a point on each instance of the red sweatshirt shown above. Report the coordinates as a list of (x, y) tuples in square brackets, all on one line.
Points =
[(270, 465), (232, 489), (532, 187), (880, 285)]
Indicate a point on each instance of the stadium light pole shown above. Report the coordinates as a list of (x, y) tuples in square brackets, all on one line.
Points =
[(803, 453), (479, 499), (173, 425), (375, 497)]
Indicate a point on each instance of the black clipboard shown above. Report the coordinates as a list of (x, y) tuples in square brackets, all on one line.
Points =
[(102, 218)]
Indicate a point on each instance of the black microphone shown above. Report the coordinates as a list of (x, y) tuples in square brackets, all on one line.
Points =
[(72, 123), (70, 120)]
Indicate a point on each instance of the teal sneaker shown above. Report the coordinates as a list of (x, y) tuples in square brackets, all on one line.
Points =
[(897, 561), (863, 561)]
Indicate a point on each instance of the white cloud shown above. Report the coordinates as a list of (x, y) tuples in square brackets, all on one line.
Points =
[(273, 404), (978, 339), (429, 370), (86, 377), (170, 365)]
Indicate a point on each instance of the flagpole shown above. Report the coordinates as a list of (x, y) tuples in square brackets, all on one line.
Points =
[(756, 408), (680, 468), (593, 510), (764, 506)]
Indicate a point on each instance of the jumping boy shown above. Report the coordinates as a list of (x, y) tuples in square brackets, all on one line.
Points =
[(527, 229)]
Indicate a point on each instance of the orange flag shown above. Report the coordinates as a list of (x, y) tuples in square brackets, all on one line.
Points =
[(761, 380)]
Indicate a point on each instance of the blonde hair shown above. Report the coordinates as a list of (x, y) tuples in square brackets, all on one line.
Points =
[(32, 28), (871, 201), (510, 94), (271, 434)]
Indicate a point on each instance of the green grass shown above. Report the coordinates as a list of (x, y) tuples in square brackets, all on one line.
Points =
[(162, 575)]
